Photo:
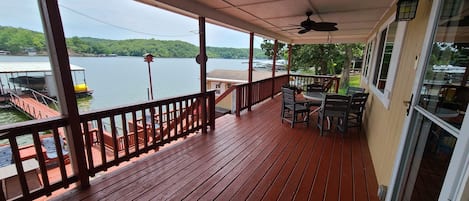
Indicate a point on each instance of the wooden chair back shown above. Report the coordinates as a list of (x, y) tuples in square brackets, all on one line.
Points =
[(336, 105), (314, 88), (353, 90), (358, 102)]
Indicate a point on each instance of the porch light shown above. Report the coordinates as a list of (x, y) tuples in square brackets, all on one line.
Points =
[(149, 58), (406, 10)]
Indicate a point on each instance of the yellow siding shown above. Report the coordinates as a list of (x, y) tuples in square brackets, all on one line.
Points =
[(226, 102), (384, 126)]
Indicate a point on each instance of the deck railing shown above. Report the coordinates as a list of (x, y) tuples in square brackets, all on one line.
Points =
[(303, 80), (264, 89), (141, 132)]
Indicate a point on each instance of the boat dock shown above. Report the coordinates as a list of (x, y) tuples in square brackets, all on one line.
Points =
[(32, 106)]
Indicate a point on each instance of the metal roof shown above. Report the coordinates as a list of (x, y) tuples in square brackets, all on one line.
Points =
[(238, 76), (23, 67)]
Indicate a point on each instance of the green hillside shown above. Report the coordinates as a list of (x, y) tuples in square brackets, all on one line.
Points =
[(18, 41)]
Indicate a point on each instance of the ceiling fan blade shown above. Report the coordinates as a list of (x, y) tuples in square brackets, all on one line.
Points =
[(326, 24), (291, 29), (304, 31), (324, 28)]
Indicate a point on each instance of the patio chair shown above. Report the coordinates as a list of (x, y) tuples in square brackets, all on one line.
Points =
[(327, 85), (357, 106), (352, 90), (292, 109), (314, 88), (5, 155), (334, 106), (51, 155)]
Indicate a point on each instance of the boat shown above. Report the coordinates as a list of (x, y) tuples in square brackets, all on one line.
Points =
[(267, 65), (38, 76), (32, 82)]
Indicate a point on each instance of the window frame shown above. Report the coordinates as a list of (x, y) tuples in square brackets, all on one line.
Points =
[(385, 95), (368, 58)]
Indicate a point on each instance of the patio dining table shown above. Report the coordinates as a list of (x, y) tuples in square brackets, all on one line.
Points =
[(316, 97)]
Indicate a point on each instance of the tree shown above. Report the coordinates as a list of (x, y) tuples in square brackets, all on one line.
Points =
[(347, 63), (322, 57), (268, 47)]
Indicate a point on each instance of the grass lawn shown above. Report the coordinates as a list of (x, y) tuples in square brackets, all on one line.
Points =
[(353, 82)]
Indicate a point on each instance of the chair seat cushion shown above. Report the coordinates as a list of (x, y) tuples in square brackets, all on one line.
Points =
[(5, 156)]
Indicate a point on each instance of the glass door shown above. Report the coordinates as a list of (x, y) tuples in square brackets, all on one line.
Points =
[(437, 124)]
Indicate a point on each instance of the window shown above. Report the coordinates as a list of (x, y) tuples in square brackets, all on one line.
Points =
[(385, 49), (367, 59), (386, 59)]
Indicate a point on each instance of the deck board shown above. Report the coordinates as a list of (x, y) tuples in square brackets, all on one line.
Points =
[(252, 157)]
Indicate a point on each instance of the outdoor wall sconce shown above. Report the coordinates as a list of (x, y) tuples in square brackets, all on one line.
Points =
[(406, 10)]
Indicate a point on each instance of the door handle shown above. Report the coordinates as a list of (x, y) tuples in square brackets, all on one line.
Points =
[(409, 104)]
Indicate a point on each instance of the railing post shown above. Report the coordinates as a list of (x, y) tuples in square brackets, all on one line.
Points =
[(202, 60), (337, 82), (274, 60), (211, 101), (55, 37), (238, 101), (251, 55)]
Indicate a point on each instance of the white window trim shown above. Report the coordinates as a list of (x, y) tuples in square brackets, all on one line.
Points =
[(372, 40), (393, 64)]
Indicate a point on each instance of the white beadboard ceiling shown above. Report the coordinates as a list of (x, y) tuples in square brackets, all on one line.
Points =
[(274, 18)]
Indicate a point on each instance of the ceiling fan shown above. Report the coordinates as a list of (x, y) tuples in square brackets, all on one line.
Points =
[(309, 25)]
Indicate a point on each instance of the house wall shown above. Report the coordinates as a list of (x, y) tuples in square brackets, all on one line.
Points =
[(384, 126), (226, 102)]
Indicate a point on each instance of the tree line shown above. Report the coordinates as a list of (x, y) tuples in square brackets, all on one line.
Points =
[(320, 59), (19, 41)]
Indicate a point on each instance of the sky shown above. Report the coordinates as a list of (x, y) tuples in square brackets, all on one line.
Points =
[(121, 19)]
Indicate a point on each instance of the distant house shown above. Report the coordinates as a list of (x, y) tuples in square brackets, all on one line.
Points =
[(221, 80), (31, 51)]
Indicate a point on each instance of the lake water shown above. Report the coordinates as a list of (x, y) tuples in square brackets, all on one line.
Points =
[(124, 80)]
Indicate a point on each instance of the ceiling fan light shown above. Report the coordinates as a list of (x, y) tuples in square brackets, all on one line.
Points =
[(406, 10)]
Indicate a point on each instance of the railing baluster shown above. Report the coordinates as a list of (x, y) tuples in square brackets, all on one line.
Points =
[(160, 121), (101, 140), (125, 134), (168, 122), (19, 167), (114, 137), (89, 141), (145, 129), (41, 161), (136, 132), (175, 119), (153, 124), (60, 155)]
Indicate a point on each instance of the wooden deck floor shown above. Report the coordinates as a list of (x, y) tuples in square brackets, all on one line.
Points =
[(254, 157)]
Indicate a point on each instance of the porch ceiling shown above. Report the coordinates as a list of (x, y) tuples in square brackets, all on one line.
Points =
[(274, 18)]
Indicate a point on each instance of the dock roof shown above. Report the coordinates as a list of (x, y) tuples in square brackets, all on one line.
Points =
[(238, 76), (23, 67)]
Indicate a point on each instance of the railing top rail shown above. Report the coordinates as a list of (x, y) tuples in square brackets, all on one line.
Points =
[(135, 107), (30, 126)]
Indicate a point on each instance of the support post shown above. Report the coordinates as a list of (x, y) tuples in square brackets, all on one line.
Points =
[(289, 58), (274, 59), (202, 60), (251, 55), (58, 55)]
